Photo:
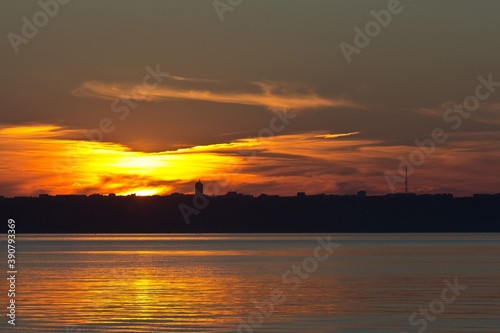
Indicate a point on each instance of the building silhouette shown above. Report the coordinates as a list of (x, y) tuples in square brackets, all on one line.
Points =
[(198, 187)]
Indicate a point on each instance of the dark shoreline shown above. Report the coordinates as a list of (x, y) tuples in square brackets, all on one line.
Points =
[(246, 214)]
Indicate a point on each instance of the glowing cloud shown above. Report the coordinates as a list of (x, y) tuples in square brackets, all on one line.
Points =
[(334, 136), (280, 95), (38, 159)]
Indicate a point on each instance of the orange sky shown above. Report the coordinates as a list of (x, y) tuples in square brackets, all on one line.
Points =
[(48, 159), (177, 96)]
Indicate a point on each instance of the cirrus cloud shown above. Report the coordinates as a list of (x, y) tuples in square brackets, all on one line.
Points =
[(272, 95)]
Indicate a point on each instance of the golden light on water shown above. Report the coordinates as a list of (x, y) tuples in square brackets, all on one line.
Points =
[(170, 294)]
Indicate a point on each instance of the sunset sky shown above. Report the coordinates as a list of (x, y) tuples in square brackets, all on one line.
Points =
[(147, 97)]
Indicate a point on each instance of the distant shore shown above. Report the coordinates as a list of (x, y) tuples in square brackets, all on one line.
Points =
[(236, 213)]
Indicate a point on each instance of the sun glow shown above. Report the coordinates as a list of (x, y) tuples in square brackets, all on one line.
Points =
[(142, 193), (50, 159), (43, 160)]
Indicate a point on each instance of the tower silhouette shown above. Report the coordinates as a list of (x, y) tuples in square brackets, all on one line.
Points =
[(198, 187)]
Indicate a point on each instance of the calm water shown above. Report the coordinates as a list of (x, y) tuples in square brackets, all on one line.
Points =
[(212, 283)]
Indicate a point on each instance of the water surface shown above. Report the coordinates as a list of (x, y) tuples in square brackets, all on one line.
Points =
[(215, 283)]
